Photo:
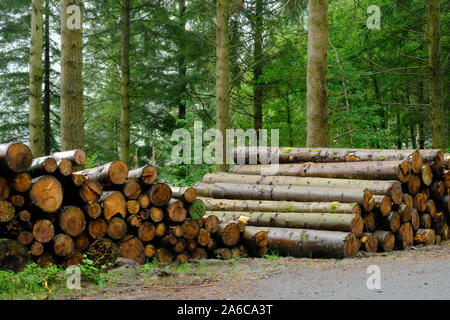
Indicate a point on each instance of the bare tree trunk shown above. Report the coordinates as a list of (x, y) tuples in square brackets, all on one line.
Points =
[(434, 60), (222, 79), (316, 96), (182, 70), (257, 71), (420, 126), (125, 85), (35, 114), (46, 108), (72, 126)]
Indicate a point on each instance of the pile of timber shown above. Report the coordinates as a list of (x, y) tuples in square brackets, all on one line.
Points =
[(332, 202), (52, 214)]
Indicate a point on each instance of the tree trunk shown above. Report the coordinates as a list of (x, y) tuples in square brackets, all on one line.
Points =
[(222, 81), (435, 78), (113, 173), (368, 170), (182, 70), (146, 174), (43, 165), (47, 91), (186, 194), (125, 84), (229, 233), (369, 242), (386, 240), (35, 98), (317, 68), (257, 62), (377, 187), (317, 221), (77, 156), (286, 193), (72, 123), (383, 205), (280, 206), (312, 243)]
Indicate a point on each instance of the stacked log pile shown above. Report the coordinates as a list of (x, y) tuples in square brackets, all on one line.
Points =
[(331, 202), (53, 215)]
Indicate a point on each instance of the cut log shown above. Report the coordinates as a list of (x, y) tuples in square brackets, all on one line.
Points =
[(43, 166), (72, 221), (146, 175), (144, 214), (196, 209), (132, 189), (77, 179), (405, 212), (367, 170), (229, 233), (144, 201), (420, 202), (168, 241), (81, 242), (182, 258), (431, 207), (25, 238), (113, 203), (186, 194), (117, 228), (445, 203), (405, 236), (5, 189), (408, 199), (180, 246), (433, 156), (369, 242), (24, 216), (46, 193), (160, 194), (90, 191), (36, 249), (177, 231), (426, 175), (93, 210), (391, 222), (149, 251), (20, 182), (7, 211), (156, 214), (386, 240), (14, 256), (192, 244), (312, 243), (65, 167), (369, 223), (43, 231), (77, 156), (223, 253), (425, 237), (415, 219), (392, 189), (426, 221), (76, 259), (211, 223), (160, 229), (97, 228), (46, 260), (132, 249), (439, 222), (297, 155), (383, 205), (113, 173), (146, 231), (254, 239), (164, 255), (133, 207), (438, 240), (17, 200), (63, 245), (203, 237), (413, 185), (134, 221), (437, 188), (175, 211), (281, 206), (318, 221), (103, 251), (15, 157), (445, 232), (286, 193), (190, 228)]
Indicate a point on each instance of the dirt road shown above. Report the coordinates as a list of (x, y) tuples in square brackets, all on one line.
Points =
[(412, 274)]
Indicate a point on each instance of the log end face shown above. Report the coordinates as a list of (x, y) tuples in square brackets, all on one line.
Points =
[(118, 172), (18, 157), (47, 194)]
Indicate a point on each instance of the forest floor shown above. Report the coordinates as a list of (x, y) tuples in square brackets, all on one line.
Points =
[(418, 273)]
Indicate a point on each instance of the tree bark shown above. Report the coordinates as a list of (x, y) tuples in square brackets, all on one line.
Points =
[(316, 79), (257, 69), (280, 206), (47, 91), (35, 97), (77, 156), (435, 77), (72, 124), (286, 193), (222, 81), (125, 84)]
